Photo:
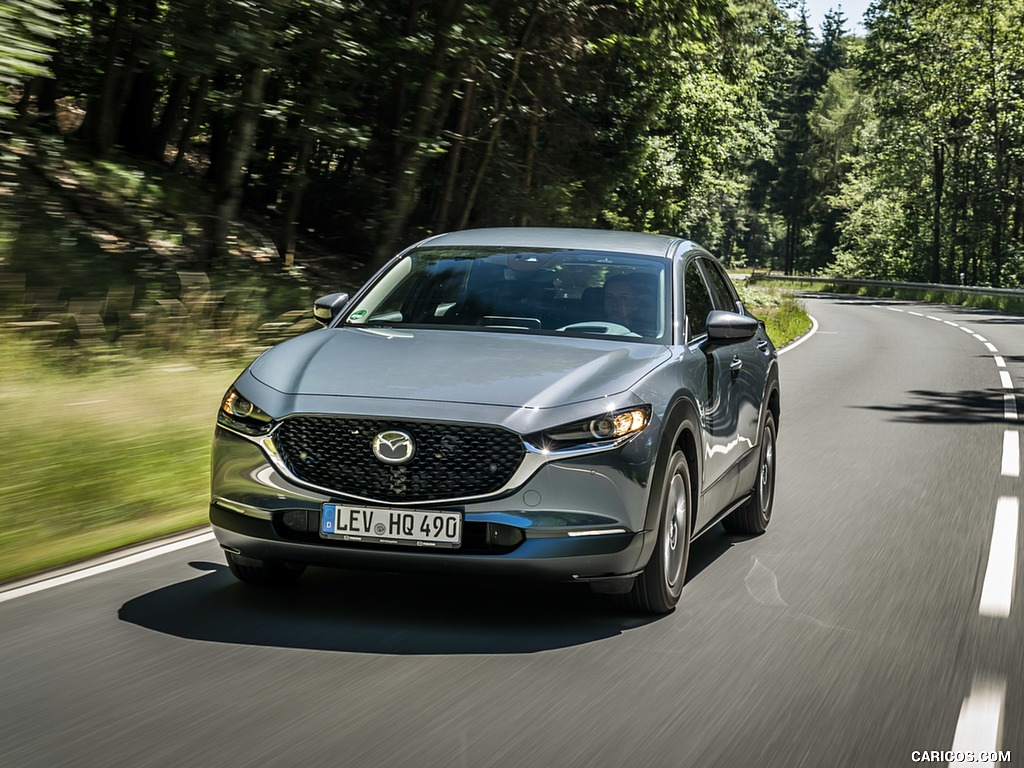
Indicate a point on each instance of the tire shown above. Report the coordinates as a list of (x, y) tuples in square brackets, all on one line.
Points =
[(657, 589), (265, 573), (753, 517)]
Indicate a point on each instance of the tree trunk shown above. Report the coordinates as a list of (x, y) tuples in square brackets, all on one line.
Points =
[(195, 115), (523, 220), (408, 168), (938, 182), (221, 140), (102, 111), (500, 115), (792, 233), (28, 94), (135, 132), (293, 202), (228, 193), (170, 117), (1018, 211), (455, 157)]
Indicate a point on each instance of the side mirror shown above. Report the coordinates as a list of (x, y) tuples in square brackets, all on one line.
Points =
[(730, 327), (328, 307)]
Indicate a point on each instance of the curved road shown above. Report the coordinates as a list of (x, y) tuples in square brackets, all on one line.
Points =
[(879, 618)]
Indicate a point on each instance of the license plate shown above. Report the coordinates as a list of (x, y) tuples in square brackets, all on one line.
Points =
[(408, 527)]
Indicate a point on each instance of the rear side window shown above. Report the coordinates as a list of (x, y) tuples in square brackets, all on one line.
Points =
[(725, 296), (698, 302)]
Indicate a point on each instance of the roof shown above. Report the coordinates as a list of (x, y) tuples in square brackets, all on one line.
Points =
[(562, 238)]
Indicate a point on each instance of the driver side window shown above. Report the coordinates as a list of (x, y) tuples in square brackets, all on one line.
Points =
[(698, 302)]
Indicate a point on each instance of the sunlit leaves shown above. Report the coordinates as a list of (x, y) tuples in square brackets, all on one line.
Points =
[(28, 30), (947, 78)]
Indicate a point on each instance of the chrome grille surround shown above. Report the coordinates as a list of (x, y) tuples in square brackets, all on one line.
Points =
[(451, 461)]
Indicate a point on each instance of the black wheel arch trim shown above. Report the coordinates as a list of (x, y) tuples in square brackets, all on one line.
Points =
[(681, 415), (771, 386)]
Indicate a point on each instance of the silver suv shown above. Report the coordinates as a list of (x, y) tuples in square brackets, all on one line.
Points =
[(576, 405)]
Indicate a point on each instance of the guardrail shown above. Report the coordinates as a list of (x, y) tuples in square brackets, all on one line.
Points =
[(969, 289)]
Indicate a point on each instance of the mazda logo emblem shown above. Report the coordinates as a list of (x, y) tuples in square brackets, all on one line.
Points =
[(393, 446)]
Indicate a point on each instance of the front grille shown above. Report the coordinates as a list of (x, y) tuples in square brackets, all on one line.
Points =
[(451, 461)]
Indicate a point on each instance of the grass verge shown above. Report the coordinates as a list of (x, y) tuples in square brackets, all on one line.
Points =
[(784, 317), (101, 459)]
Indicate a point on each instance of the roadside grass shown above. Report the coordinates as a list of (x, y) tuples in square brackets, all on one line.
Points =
[(95, 460), (928, 296), (784, 317)]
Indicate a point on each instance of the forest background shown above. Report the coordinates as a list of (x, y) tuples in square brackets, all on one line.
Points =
[(180, 178), (358, 127)]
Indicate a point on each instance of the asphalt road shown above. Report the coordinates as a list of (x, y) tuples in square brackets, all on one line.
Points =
[(876, 620)]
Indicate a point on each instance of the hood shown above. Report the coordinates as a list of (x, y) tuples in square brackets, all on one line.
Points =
[(486, 368)]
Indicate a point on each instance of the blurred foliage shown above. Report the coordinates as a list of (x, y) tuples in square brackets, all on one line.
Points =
[(95, 266), (347, 128), (363, 126), (103, 458), (28, 33)]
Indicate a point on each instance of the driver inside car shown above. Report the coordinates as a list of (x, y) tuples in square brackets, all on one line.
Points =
[(629, 300)]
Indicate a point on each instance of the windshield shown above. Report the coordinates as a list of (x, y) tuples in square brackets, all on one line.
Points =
[(593, 293)]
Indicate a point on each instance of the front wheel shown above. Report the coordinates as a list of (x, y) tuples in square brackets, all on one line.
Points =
[(753, 516), (657, 588)]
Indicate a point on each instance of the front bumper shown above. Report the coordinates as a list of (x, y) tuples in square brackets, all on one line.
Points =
[(554, 558), (573, 520)]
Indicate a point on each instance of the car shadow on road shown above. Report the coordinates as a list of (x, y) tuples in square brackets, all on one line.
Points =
[(380, 613), (383, 613), (992, 316), (984, 406)]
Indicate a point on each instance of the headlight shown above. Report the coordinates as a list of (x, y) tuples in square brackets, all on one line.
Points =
[(608, 427), (241, 415)]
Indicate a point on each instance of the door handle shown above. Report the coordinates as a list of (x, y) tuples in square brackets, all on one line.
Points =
[(735, 365), (762, 345)]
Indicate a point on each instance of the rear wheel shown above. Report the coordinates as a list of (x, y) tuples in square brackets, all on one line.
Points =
[(267, 573), (755, 514), (657, 588)]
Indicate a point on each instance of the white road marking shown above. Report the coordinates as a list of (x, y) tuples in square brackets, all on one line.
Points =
[(1009, 407), (991, 347), (997, 589), (1000, 363), (891, 309), (936, 319), (1004, 377), (979, 337), (981, 719), (1011, 453), (949, 322), (802, 339), (94, 570), (966, 330), (915, 314)]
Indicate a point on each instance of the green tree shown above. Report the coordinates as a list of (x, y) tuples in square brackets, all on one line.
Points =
[(29, 30)]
